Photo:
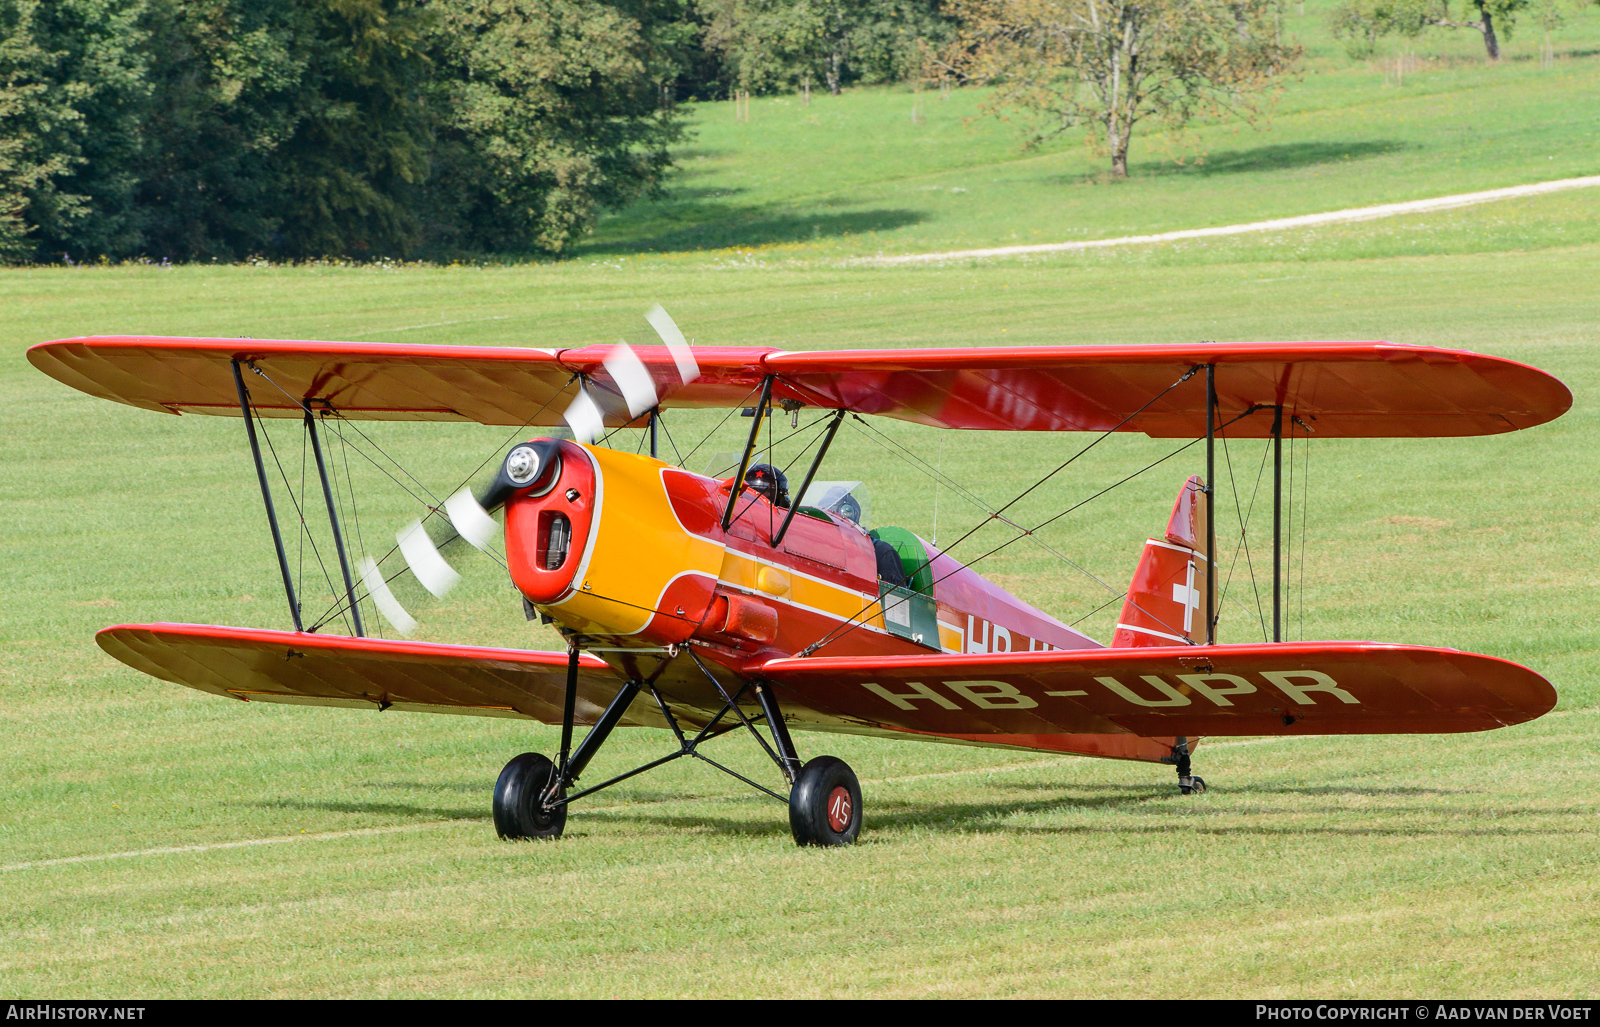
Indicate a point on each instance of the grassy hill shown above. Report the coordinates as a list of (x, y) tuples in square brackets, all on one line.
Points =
[(155, 841), (853, 175)]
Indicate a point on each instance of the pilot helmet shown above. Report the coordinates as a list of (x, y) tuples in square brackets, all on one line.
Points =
[(770, 482), (847, 507)]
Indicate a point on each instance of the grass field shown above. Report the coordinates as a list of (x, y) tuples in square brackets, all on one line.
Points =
[(1434, 866)]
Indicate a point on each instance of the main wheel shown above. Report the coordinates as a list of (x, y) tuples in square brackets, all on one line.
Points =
[(517, 812), (825, 803)]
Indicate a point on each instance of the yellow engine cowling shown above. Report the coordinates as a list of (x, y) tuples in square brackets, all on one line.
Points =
[(633, 573)]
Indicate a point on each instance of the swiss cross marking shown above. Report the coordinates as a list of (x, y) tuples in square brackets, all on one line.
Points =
[(1188, 597)]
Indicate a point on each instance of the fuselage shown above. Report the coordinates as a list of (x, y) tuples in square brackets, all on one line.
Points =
[(629, 552), (648, 565)]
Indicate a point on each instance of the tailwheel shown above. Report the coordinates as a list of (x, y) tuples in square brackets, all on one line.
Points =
[(825, 803), (519, 798), (1187, 784)]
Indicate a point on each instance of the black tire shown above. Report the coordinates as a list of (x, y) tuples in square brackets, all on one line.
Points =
[(825, 803), (516, 800)]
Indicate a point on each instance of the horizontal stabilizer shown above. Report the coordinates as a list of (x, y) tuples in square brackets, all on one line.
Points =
[(366, 673), (1289, 688), (1331, 389)]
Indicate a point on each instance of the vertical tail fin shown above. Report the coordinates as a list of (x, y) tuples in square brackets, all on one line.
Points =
[(1166, 599)]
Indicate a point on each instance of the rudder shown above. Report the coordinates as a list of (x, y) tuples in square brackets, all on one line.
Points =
[(1166, 598)]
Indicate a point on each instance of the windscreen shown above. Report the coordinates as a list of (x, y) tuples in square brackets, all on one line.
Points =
[(848, 499)]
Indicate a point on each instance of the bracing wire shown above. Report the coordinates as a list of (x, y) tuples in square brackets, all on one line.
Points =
[(1305, 505), (916, 459), (339, 484), (305, 435), (771, 513), (853, 622), (997, 514), (707, 437), (919, 464), (340, 605), (355, 513), (1290, 585), (672, 442), (720, 471), (518, 430), (1097, 609), (381, 452), (300, 536), (431, 502), (1244, 536), (298, 510)]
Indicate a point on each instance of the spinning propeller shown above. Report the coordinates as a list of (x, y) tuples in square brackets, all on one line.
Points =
[(470, 515)]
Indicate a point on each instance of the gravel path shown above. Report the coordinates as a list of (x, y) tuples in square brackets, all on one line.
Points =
[(1384, 210)]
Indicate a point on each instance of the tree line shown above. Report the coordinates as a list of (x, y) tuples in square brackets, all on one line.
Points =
[(216, 129), (291, 129)]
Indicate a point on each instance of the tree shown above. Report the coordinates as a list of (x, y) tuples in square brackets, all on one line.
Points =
[(769, 44), (1362, 22), (1115, 64), (551, 110), (1489, 13), (71, 85), (288, 129), (763, 44)]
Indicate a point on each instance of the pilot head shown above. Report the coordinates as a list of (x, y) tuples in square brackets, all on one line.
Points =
[(847, 507), (770, 482)]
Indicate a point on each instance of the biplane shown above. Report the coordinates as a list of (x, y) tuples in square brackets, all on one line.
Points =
[(708, 604)]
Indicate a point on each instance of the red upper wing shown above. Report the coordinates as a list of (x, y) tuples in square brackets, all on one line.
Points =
[(504, 385), (1338, 389), (1354, 389), (1297, 688)]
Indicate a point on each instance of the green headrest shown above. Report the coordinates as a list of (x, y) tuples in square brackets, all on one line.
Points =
[(913, 556)]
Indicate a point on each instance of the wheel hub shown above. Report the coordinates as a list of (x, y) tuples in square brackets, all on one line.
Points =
[(839, 809)]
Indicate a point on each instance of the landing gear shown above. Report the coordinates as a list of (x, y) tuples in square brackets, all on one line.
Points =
[(824, 798), (1188, 784), (519, 799), (825, 803)]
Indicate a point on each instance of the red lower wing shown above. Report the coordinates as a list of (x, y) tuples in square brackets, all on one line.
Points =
[(1304, 688), (363, 673)]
